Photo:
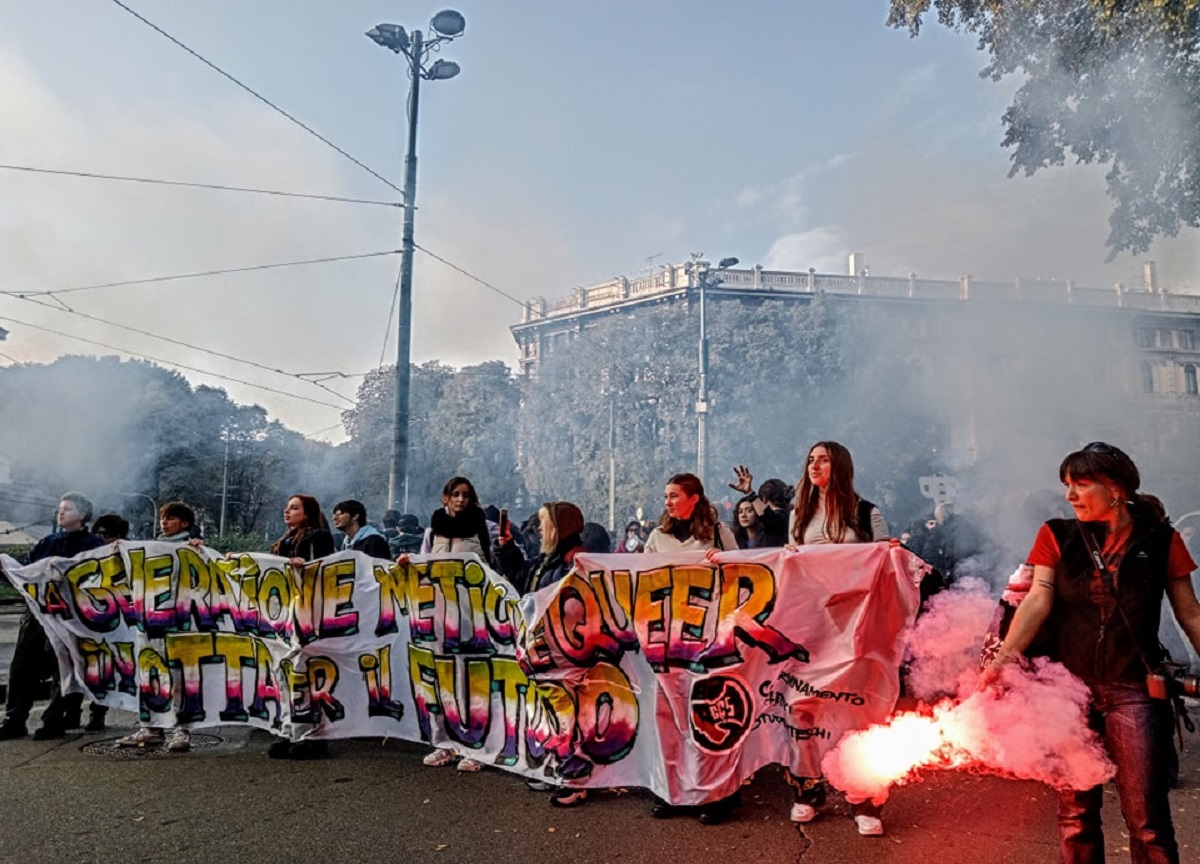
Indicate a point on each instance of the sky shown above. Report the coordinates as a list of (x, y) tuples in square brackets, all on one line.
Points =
[(581, 141)]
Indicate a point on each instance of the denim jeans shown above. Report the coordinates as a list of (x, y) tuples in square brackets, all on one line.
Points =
[(1137, 734)]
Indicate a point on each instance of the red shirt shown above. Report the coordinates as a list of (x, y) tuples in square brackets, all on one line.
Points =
[(1045, 554)]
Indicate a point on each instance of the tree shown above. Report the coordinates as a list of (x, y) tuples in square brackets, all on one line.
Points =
[(1111, 82), (461, 423)]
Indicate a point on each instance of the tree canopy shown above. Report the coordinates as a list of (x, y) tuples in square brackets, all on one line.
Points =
[(1110, 82)]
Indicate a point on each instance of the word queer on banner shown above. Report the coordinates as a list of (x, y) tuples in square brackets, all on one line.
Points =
[(666, 672)]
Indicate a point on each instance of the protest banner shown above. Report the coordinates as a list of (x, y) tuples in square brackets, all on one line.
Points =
[(661, 671)]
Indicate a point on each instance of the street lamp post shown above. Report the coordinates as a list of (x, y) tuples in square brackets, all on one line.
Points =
[(703, 278), (445, 25)]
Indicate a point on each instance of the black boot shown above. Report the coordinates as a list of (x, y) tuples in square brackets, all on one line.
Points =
[(11, 729), (720, 811)]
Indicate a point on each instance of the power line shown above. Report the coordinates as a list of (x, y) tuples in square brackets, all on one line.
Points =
[(470, 275), (259, 97), (224, 272), (391, 314), (301, 376), (189, 185), (174, 364)]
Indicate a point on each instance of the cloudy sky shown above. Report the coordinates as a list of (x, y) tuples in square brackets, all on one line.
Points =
[(581, 141)]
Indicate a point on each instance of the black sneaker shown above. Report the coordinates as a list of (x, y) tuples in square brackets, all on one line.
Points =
[(47, 733), (305, 750), (11, 729), (567, 797), (280, 749), (663, 810), (95, 723)]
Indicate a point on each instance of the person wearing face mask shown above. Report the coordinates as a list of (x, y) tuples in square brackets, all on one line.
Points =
[(829, 510), (632, 541), (1100, 579), (33, 660)]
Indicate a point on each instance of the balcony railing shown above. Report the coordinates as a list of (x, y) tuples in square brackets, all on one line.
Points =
[(672, 279)]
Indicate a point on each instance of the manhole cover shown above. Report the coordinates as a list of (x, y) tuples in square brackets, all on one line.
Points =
[(110, 749)]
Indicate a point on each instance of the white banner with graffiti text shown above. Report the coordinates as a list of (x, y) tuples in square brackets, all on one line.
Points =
[(659, 671)]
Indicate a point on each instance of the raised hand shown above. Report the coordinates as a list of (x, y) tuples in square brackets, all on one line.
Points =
[(745, 480)]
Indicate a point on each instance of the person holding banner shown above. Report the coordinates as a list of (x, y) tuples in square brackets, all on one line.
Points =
[(350, 517), (561, 529), (689, 523), (1099, 581), (33, 661), (176, 522), (306, 539), (459, 525), (829, 510)]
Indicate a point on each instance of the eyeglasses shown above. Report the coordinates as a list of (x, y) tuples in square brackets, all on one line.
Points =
[(1101, 448)]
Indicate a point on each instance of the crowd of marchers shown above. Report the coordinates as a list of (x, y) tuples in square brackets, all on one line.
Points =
[(1093, 603)]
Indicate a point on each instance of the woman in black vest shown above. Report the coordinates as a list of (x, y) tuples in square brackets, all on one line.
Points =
[(1099, 579), (829, 510)]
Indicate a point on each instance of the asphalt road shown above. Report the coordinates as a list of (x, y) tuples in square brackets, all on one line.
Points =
[(79, 799), (375, 801)]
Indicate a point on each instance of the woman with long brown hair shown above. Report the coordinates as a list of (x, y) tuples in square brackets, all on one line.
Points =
[(307, 538), (829, 510), (689, 521)]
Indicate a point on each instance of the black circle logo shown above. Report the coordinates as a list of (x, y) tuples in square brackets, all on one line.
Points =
[(721, 713)]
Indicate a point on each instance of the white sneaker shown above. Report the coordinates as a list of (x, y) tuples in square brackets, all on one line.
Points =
[(181, 740), (146, 736), (470, 765), (803, 812), (869, 826), (440, 757)]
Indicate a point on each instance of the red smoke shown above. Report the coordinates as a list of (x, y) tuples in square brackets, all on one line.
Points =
[(1030, 725)]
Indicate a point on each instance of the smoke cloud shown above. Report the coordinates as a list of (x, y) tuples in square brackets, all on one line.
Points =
[(1030, 725)]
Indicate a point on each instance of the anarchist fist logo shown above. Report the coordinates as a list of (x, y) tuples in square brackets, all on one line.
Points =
[(721, 713)]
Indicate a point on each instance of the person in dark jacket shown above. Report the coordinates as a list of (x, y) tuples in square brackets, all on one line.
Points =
[(33, 660), (1103, 576), (562, 525), (306, 539), (772, 504), (350, 517), (409, 536)]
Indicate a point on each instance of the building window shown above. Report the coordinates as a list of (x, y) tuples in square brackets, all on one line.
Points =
[(1165, 339), (1147, 378), (1187, 340), (1189, 380), (1145, 338)]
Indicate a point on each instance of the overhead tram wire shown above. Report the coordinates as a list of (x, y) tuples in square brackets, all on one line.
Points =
[(155, 279), (173, 363), (259, 97), (301, 376), (580, 334), (391, 313), (87, 175)]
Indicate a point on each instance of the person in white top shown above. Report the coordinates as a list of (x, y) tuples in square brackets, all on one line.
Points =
[(829, 510), (689, 521)]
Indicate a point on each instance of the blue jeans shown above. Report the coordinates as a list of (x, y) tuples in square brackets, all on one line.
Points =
[(1137, 734)]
